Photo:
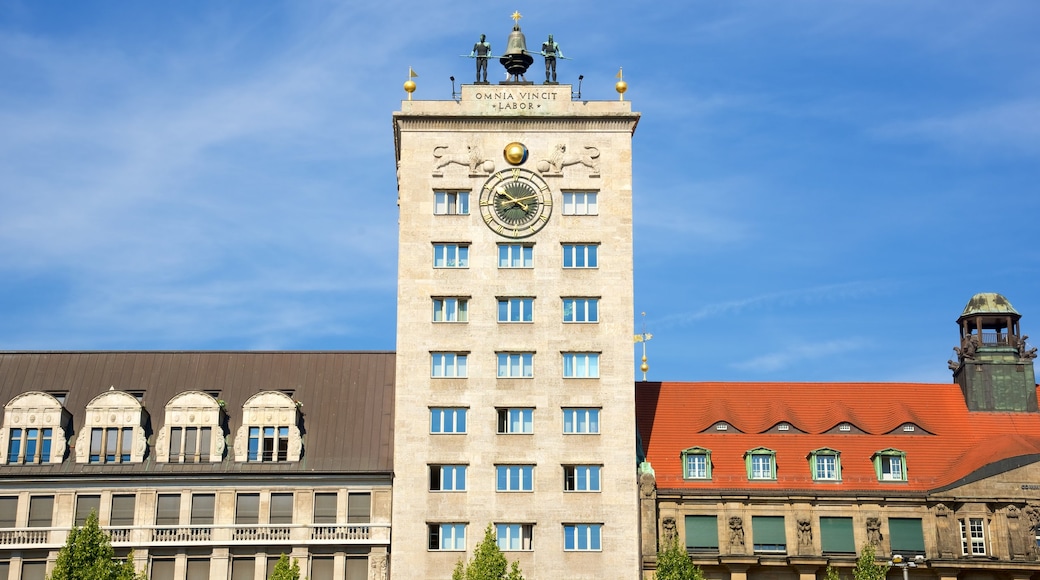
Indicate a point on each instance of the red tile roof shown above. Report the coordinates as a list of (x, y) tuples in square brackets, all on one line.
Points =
[(949, 443)]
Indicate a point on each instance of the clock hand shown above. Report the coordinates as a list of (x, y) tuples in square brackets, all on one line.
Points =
[(502, 190)]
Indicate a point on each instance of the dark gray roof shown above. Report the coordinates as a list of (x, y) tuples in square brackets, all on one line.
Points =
[(346, 419)]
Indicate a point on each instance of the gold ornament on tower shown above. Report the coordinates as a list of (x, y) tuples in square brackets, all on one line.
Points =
[(515, 153)]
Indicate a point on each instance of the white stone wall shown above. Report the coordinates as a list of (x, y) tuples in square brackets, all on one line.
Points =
[(475, 131)]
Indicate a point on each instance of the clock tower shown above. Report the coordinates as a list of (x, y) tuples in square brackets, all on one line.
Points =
[(514, 398)]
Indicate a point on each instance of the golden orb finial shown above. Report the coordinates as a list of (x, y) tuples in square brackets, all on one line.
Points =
[(409, 85), (621, 86)]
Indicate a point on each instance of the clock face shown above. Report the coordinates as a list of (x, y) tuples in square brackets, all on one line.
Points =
[(515, 203)]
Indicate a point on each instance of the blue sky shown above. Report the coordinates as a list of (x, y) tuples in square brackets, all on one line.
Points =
[(820, 186)]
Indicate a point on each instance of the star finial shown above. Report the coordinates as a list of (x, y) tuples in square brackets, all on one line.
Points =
[(516, 17)]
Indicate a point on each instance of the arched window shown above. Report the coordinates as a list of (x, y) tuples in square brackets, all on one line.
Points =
[(191, 431), (33, 430), (268, 431), (113, 430)]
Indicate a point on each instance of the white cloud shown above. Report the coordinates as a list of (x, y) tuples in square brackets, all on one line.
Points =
[(797, 353)]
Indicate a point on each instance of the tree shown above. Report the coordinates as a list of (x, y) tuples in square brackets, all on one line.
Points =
[(283, 570), (867, 566), (831, 574), (488, 562), (674, 564), (88, 555)]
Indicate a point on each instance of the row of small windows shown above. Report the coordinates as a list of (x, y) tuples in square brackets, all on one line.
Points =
[(514, 420), (457, 203), (279, 509), (515, 537), (576, 365), (516, 309), (162, 567), (510, 478), (115, 430), (824, 464), (843, 428), (456, 255)]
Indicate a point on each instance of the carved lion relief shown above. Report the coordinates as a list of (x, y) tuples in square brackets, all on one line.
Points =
[(560, 158), (473, 158)]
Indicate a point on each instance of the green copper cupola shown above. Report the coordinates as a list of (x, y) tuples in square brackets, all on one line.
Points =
[(994, 365)]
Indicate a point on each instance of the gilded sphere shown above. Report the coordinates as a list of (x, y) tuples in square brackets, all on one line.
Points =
[(515, 153), (644, 367), (409, 86), (621, 87)]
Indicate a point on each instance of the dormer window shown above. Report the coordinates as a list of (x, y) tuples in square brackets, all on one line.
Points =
[(760, 464), (909, 428), (191, 431), (845, 427), (825, 465), (890, 465), (783, 427), (33, 430), (696, 463), (721, 427), (269, 431), (114, 431)]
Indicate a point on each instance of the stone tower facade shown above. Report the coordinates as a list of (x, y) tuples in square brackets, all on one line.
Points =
[(514, 401)]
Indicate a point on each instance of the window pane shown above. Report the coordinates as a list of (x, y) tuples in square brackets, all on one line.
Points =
[(281, 508), (768, 533), (357, 569), (243, 568), (247, 508), (34, 570), (8, 511), (86, 504), (123, 507), (325, 506), (168, 510), (906, 535), (202, 505), (41, 509), (359, 508), (322, 568), (702, 533), (198, 569), (837, 536)]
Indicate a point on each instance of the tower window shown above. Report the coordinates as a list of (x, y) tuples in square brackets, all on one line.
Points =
[(451, 203), (515, 256), (580, 255), (581, 309), (451, 255), (580, 203)]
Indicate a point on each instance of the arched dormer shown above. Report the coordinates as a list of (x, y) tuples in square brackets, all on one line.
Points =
[(34, 430), (191, 431), (269, 431), (113, 430)]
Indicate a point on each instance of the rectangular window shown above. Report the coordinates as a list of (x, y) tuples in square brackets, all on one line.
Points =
[(202, 505), (515, 478), (450, 309), (762, 466), (198, 569), (356, 568), (281, 508), (190, 444), (696, 466), (268, 444), (906, 536), (891, 468), (34, 569), (110, 444), (837, 536), (580, 203), (168, 510), (8, 511), (515, 256), (512, 421), (768, 534), (581, 420), (973, 537), (247, 508), (515, 309), (702, 533), (326, 506), (29, 445), (241, 568), (447, 478), (826, 467), (448, 420), (85, 504), (581, 537), (447, 365), (451, 255), (450, 537), (514, 537), (123, 508), (581, 477), (451, 203), (581, 365), (359, 508), (515, 365), (580, 255), (581, 309), (41, 510), (323, 568)]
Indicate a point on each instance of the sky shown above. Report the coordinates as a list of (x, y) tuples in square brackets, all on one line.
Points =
[(820, 186)]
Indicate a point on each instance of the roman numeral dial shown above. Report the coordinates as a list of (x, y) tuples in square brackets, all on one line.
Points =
[(515, 203)]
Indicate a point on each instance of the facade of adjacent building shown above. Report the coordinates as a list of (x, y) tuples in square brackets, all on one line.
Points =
[(208, 465), (782, 480), (514, 404)]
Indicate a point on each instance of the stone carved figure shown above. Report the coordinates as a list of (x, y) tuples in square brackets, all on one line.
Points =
[(1032, 512), (481, 52), (1022, 351), (472, 158), (560, 159), (551, 50), (805, 533), (969, 345), (647, 485), (736, 532), (379, 567), (874, 531), (668, 529), (953, 364)]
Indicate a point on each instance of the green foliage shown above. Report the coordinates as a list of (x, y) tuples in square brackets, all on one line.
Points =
[(488, 563), (867, 566), (283, 570), (674, 564), (88, 555), (831, 574)]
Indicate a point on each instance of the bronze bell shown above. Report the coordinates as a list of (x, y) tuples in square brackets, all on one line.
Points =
[(515, 58)]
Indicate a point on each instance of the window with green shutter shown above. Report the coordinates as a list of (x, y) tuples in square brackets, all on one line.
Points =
[(702, 533), (768, 534), (906, 536), (837, 536)]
